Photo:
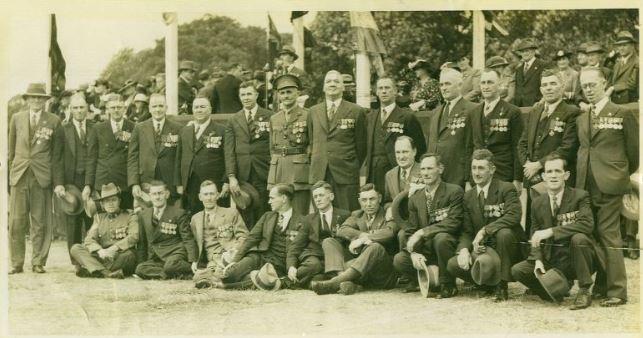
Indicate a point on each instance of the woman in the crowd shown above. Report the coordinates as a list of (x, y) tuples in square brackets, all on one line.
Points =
[(425, 94)]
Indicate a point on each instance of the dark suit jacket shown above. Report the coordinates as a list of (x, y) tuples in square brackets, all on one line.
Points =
[(560, 139), (72, 157), (225, 95), (338, 145), (452, 140), (244, 150), (145, 156), (187, 92), (107, 156), (382, 231), (503, 144), (612, 153), (412, 129), (44, 155), (195, 156), (625, 79), (260, 236), (155, 243), (528, 85), (502, 211), (446, 215), (392, 182), (576, 204), (308, 240)]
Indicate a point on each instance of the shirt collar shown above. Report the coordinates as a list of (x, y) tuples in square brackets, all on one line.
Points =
[(203, 125), (337, 102), (559, 197), (35, 113), (78, 124), (253, 110), (485, 189), (492, 104), (454, 101), (598, 107), (553, 106), (159, 212), (116, 125), (432, 192), (388, 109), (287, 215), (530, 62), (328, 214)]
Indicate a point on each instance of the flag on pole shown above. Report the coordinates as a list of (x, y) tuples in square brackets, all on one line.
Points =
[(491, 23), (367, 40), (56, 59), (274, 41), (296, 15)]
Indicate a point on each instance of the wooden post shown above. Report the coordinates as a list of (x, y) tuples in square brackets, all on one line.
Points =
[(298, 41), (363, 79), (171, 62), (478, 40)]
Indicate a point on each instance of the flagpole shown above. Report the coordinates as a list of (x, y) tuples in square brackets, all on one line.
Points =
[(298, 40), (269, 63), (171, 62), (363, 79), (48, 78), (478, 39)]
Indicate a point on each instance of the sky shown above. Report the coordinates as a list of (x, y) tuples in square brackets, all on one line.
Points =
[(88, 41)]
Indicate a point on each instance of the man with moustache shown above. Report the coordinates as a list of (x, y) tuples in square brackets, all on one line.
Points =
[(337, 131), (435, 221), (200, 156), (497, 125), (492, 214), (551, 128), (107, 149), (306, 248), (152, 151), (449, 129), (608, 154), (247, 146), (75, 156), (528, 74), (35, 162), (360, 253), (384, 126), (289, 143)]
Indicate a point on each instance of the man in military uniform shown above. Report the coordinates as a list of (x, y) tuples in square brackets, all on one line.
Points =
[(551, 128), (528, 74), (187, 92), (270, 239), (247, 146), (290, 149), (625, 77), (492, 214), (107, 148), (497, 125), (383, 127), (337, 131), (108, 250), (200, 155), (167, 248), (450, 129), (35, 162), (287, 57), (608, 154), (435, 221), (152, 150), (360, 255), (561, 235), (75, 155), (306, 250), (218, 231)]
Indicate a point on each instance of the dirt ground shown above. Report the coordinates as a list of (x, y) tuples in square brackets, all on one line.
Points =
[(60, 303)]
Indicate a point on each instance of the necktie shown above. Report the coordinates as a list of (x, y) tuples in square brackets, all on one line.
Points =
[(545, 112), (481, 200), (81, 133), (331, 111), (429, 202), (487, 109), (33, 121), (250, 118), (325, 223), (157, 128), (592, 110), (383, 116), (196, 131), (280, 222), (447, 109), (208, 219), (555, 206), (157, 214), (526, 67), (403, 177)]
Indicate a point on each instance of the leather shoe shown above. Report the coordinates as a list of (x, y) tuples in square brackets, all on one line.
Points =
[(82, 273), (412, 286), (501, 293), (14, 271), (118, 274), (324, 287), (38, 269), (447, 291), (613, 301), (583, 300), (349, 288)]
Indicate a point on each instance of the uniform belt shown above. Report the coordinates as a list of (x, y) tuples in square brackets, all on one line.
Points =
[(285, 151)]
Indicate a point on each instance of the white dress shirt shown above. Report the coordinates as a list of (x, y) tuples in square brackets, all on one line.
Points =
[(287, 215)]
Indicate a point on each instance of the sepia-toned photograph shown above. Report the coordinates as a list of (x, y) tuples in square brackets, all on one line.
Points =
[(279, 168)]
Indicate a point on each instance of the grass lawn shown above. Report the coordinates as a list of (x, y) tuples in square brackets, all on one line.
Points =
[(60, 303)]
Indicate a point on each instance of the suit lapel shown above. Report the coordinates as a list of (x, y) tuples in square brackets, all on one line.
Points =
[(242, 122), (323, 116), (534, 120), (198, 233), (201, 142), (71, 137), (494, 114), (336, 117), (556, 113), (532, 70), (443, 120), (42, 122)]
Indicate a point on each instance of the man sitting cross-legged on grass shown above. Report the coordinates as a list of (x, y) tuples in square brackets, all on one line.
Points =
[(361, 252), (108, 247), (167, 248), (218, 231), (561, 235)]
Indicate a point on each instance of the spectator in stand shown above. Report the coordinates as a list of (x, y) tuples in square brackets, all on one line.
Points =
[(225, 96), (470, 80), (569, 75), (507, 84), (139, 112), (528, 74), (625, 78), (350, 88), (159, 83), (425, 94)]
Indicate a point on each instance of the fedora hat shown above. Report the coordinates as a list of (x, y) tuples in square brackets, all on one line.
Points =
[(527, 43), (496, 61), (562, 54), (486, 268), (399, 207), (428, 279), (631, 206), (624, 37), (266, 278), (128, 83), (71, 203), (37, 90), (187, 65), (140, 97), (593, 47), (286, 81), (289, 50), (246, 197), (554, 282), (108, 190)]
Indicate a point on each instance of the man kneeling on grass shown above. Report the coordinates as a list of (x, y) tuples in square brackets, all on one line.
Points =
[(167, 248), (361, 254), (218, 231), (108, 247), (561, 239)]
